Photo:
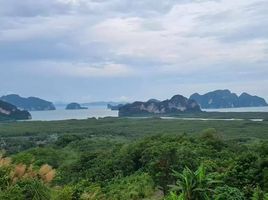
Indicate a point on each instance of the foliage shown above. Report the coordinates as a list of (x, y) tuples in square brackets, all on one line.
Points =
[(134, 159), (192, 185), (137, 186), (19, 181), (226, 192), (63, 193)]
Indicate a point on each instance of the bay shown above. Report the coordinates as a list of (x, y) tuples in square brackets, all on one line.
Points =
[(244, 109), (62, 114), (100, 112)]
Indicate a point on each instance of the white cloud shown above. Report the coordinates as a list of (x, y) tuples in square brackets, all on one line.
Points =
[(82, 70), (105, 70), (173, 43), (190, 39)]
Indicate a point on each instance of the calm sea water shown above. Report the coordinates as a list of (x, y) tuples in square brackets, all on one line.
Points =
[(62, 114), (248, 109)]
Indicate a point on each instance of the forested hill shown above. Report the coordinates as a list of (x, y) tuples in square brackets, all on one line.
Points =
[(227, 99), (177, 104), (75, 106), (134, 159), (11, 112), (30, 103)]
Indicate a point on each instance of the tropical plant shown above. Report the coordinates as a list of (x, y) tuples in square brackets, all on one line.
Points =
[(259, 194), (192, 185), (136, 186), (173, 196), (19, 181), (63, 193)]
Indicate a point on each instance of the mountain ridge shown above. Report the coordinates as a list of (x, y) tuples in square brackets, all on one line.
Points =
[(75, 106), (177, 104), (226, 99), (28, 103), (11, 112)]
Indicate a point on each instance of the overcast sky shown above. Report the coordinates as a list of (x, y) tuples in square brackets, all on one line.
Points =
[(89, 50)]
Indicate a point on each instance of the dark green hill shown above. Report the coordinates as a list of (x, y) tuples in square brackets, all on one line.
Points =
[(177, 104), (30, 103), (74, 106), (227, 99), (11, 112), (247, 100)]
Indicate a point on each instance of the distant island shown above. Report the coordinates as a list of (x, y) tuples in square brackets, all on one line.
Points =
[(227, 99), (115, 107), (75, 106), (29, 104), (102, 103), (177, 104), (11, 112)]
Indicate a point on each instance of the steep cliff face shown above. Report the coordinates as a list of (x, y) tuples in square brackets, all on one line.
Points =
[(227, 99), (247, 100), (11, 112), (30, 103), (177, 104), (216, 99)]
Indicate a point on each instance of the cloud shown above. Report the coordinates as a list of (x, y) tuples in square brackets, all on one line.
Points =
[(31, 8), (173, 41), (102, 70), (78, 70)]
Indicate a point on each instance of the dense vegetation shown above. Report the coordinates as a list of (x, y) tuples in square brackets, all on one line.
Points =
[(134, 159), (10, 112), (227, 99), (29, 103)]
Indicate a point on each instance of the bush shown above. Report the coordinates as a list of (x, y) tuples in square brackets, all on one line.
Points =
[(136, 186), (19, 181), (230, 193), (65, 193)]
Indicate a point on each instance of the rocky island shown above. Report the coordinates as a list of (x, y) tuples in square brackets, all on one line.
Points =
[(11, 112), (29, 104), (177, 104), (114, 107), (247, 100), (75, 106), (227, 99)]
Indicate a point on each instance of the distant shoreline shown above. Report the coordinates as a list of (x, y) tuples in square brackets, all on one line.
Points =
[(97, 112)]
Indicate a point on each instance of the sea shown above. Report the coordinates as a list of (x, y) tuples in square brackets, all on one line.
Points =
[(99, 112), (62, 114)]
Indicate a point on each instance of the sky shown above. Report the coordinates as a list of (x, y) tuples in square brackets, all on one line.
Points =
[(126, 50)]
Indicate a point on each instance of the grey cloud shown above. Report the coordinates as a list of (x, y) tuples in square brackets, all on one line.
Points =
[(142, 8), (36, 50), (31, 8), (34, 31), (259, 8), (53, 49), (258, 31), (231, 25)]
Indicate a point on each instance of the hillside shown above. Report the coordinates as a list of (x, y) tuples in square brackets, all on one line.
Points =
[(75, 106), (177, 104), (227, 99), (10, 112), (133, 159), (30, 103)]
